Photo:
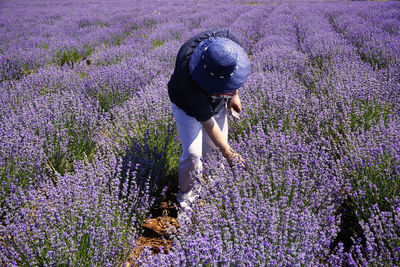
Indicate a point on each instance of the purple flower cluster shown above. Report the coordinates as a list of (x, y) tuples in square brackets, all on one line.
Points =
[(373, 30), (80, 221), (278, 210), (88, 142)]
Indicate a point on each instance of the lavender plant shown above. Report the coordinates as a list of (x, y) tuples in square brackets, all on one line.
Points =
[(147, 136), (88, 142), (279, 210), (81, 221)]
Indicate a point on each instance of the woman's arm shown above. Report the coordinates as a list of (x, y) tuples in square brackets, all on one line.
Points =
[(214, 132)]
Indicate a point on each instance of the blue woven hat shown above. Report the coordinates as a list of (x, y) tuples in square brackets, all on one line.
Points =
[(219, 65)]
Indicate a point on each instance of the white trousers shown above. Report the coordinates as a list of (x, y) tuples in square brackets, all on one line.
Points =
[(196, 145)]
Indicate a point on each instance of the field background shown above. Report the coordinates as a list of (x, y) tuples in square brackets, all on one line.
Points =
[(88, 143)]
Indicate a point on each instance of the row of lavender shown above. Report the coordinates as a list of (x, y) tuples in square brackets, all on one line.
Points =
[(321, 183), (320, 138), (55, 210), (80, 164)]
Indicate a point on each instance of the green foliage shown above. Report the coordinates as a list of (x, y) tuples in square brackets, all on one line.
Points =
[(102, 24), (84, 75), (157, 43), (114, 61), (81, 251), (150, 23), (154, 147), (84, 23), (117, 40), (27, 72), (67, 56), (43, 46), (254, 3), (159, 137), (175, 34), (109, 98), (371, 114), (238, 128), (80, 146), (88, 50), (376, 179), (13, 172), (319, 63), (16, 70), (52, 19), (375, 60), (134, 27), (110, 61)]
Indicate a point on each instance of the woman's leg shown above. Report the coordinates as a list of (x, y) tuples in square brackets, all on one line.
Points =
[(190, 165)]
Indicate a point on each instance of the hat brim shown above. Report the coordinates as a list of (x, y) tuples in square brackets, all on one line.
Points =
[(213, 83)]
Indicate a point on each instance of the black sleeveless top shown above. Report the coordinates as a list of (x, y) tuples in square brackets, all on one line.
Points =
[(182, 89)]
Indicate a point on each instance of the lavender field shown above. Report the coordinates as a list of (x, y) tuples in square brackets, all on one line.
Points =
[(88, 143)]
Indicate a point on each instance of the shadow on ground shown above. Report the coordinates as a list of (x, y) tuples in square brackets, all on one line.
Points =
[(163, 216)]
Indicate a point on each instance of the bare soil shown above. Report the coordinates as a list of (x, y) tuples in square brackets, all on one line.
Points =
[(155, 235)]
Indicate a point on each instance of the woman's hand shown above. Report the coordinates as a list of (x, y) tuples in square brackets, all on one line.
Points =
[(235, 103), (232, 156), (212, 129)]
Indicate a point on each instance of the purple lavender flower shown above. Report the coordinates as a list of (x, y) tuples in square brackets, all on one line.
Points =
[(87, 140)]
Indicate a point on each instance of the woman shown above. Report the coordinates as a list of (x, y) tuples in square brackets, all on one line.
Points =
[(209, 69)]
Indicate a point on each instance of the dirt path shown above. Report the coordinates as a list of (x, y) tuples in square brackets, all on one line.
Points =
[(155, 230)]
